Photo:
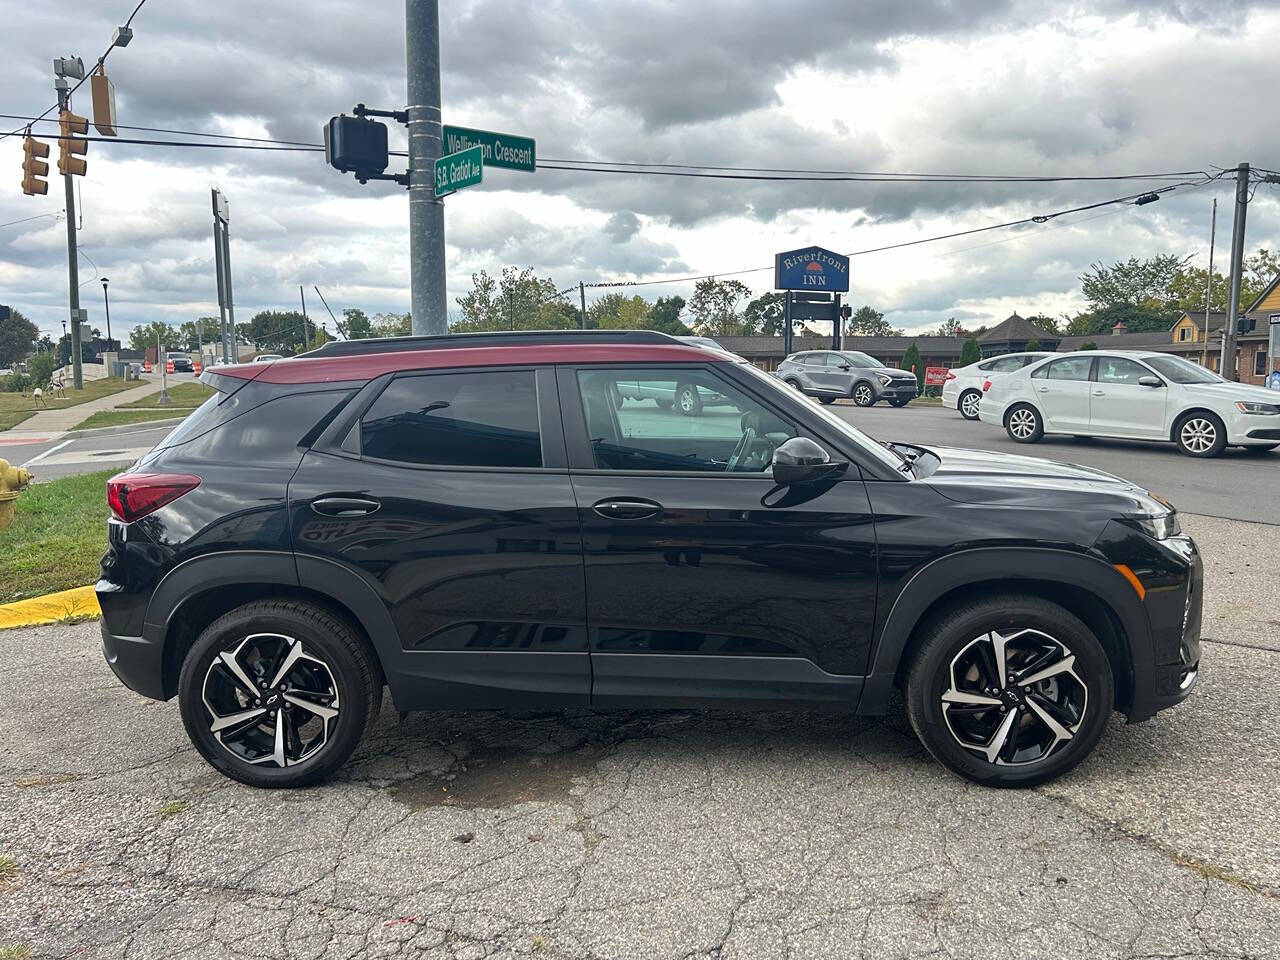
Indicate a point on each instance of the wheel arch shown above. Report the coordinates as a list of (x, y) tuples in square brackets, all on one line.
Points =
[(1088, 587), (1183, 414), (1013, 405)]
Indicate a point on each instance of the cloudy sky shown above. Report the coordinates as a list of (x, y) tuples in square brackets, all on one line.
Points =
[(946, 86)]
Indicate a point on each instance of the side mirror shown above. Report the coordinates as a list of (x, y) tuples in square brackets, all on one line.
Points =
[(1150, 382), (800, 460)]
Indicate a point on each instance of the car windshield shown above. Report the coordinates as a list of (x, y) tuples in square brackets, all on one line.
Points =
[(866, 443), (857, 359), (1182, 371)]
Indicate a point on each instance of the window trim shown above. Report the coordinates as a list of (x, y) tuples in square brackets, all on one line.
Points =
[(1097, 362), (551, 434), (1049, 362)]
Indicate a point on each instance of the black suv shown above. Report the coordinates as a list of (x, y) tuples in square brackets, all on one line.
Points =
[(474, 522)]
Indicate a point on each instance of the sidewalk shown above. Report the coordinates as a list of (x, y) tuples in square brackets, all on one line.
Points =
[(50, 423)]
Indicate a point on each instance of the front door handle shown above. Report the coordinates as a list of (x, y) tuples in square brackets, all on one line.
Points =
[(627, 509), (1099, 393), (344, 506)]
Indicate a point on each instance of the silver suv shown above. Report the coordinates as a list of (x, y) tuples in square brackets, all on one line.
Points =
[(827, 374)]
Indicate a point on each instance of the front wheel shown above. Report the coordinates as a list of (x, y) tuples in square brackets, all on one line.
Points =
[(688, 402), (825, 400), (1200, 434), (1009, 691), (969, 403), (898, 403), (278, 693), (863, 395), (1023, 425), (664, 404)]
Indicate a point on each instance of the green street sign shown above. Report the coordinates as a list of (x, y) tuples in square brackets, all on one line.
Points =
[(500, 149), (457, 170)]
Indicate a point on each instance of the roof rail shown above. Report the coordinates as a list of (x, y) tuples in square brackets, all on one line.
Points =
[(347, 348)]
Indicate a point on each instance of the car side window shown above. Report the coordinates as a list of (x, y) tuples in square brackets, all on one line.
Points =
[(483, 419), (1120, 370), (987, 365), (683, 419), (819, 359), (1069, 368), (1007, 364)]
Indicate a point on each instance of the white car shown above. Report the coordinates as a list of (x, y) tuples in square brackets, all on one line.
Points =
[(963, 387), (1140, 395)]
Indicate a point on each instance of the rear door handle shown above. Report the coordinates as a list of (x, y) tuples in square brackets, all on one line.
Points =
[(627, 509), (1099, 393), (1044, 389), (344, 506)]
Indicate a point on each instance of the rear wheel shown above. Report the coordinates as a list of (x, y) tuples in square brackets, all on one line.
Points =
[(688, 402), (898, 403), (1023, 425), (968, 405), (1200, 434), (863, 395), (1010, 691), (664, 404), (825, 400), (278, 693), (793, 384)]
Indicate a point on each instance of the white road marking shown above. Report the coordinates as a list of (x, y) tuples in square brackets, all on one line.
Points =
[(40, 456)]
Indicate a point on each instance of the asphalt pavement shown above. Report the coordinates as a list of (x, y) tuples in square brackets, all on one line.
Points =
[(67, 454), (1237, 485), (674, 834)]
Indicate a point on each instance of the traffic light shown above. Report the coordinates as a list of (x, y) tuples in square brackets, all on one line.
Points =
[(34, 167), (70, 148), (1245, 325), (846, 312)]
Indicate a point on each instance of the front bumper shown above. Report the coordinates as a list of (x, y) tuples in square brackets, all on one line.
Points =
[(897, 390)]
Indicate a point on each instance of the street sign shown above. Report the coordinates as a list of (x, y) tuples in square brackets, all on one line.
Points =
[(811, 268), (500, 149), (457, 170)]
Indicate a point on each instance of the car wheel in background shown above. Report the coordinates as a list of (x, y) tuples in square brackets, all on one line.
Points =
[(793, 384), (1022, 423), (688, 402), (968, 405), (278, 693), (664, 404), (825, 400), (898, 403), (1200, 434), (863, 395), (1009, 691)]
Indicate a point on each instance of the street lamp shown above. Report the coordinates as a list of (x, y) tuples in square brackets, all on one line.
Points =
[(107, 305)]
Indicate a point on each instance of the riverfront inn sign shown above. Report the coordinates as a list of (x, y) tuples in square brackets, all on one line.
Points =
[(811, 268)]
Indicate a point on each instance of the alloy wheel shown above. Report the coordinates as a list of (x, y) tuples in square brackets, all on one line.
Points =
[(687, 400), (862, 395), (1022, 423), (1013, 697), (270, 701), (1198, 435), (969, 405)]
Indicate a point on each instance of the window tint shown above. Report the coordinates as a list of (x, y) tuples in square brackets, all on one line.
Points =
[(1260, 362), (456, 419), (1120, 370), (1007, 364), (686, 420), (1184, 371), (987, 365), (1071, 368), (821, 359)]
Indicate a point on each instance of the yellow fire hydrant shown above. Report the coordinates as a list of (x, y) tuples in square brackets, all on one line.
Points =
[(12, 480)]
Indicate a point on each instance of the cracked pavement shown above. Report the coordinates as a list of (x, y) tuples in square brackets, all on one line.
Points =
[(647, 835)]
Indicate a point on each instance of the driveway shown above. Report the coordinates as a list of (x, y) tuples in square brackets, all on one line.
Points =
[(648, 835)]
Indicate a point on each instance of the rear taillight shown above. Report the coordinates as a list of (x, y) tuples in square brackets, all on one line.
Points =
[(132, 496), (950, 375), (986, 386)]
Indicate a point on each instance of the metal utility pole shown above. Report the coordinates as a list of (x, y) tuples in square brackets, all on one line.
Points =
[(1229, 370), (582, 300), (1208, 285), (73, 267), (163, 363), (426, 212), (222, 263), (106, 305)]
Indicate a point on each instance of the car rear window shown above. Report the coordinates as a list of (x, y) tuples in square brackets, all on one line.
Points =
[(485, 419)]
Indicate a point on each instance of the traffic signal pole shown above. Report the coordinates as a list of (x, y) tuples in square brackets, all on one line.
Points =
[(73, 267), (426, 211), (1228, 364)]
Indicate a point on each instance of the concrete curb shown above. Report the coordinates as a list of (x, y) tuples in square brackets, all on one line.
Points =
[(123, 427), (80, 602)]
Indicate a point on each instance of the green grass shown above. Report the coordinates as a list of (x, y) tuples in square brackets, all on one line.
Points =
[(14, 407), (8, 871), (171, 809), (119, 416), (190, 394), (57, 537), (15, 951)]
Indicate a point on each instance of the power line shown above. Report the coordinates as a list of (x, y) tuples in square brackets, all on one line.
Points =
[(38, 216), (185, 133)]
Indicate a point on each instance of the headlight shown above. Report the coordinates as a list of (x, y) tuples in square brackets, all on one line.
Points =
[(885, 380), (1248, 406), (1157, 528)]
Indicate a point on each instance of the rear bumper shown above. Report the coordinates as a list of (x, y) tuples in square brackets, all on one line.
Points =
[(137, 661)]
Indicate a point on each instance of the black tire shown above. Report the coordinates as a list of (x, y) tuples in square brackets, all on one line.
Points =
[(688, 402), (664, 404), (898, 403), (325, 638), (1200, 433), (793, 384), (1022, 620), (968, 404), (826, 400), (1257, 449), (1023, 424), (863, 394)]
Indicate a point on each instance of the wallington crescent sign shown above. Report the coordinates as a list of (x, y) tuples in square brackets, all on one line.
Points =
[(811, 268)]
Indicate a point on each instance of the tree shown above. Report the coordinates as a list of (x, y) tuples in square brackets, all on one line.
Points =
[(143, 337), (766, 314), (970, 353), (1033, 345), (664, 316), (951, 328), (605, 311), (40, 368), (1089, 345), (279, 330), (911, 361), (868, 322), (391, 325), (17, 338), (1101, 321), (714, 307), (355, 325), (194, 333), (1139, 283), (512, 302)]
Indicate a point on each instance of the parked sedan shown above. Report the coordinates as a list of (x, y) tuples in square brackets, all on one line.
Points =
[(963, 388), (828, 374), (1136, 395)]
